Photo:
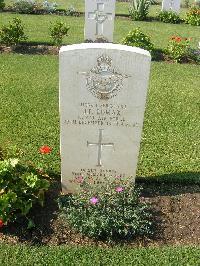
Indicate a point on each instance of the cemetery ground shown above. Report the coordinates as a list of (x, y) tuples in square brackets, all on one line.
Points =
[(168, 166)]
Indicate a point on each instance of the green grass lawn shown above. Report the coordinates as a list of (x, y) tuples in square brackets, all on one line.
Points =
[(37, 29), (79, 256), (30, 119)]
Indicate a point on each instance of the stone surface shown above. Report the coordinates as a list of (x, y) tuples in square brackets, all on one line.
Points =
[(99, 19), (171, 5), (103, 91)]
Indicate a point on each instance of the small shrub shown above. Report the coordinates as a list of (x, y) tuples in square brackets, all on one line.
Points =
[(178, 48), (169, 17), (71, 11), (139, 39), (139, 9), (2, 4), (197, 3), (49, 7), (24, 6), (154, 2), (193, 16), (194, 54), (13, 33), (186, 3), (20, 188), (58, 31), (107, 210)]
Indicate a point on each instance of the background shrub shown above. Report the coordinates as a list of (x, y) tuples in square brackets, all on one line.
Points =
[(139, 9), (58, 31), (2, 4), (107, 211), (20, 188), (13, 33), (139, 39), (71, 11), (169, 17), (193, 16), (178, 48), (24, 6), (49, 7)]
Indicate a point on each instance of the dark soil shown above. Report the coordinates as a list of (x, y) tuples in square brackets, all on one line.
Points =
[(175, 207), (37, 49)]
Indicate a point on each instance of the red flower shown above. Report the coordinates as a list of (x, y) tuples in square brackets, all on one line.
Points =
[(45, 150), (1, 223), (178, 39)]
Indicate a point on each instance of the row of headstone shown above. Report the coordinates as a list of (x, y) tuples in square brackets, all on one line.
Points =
[(100, 14), (103, 90)]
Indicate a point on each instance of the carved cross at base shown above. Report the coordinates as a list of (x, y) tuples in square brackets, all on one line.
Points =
[(99, 16), (100, 145)]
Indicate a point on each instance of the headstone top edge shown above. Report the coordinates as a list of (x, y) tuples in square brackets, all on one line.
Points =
[(109, 46)]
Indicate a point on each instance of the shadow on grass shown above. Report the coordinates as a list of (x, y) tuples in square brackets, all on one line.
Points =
[(170, 184)]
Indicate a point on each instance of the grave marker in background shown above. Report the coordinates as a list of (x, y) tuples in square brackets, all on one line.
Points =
[(171, 5), (102, 103), (99, 19)]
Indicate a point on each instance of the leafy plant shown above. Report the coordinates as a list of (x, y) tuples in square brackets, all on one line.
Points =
[(20, 188), (49, 7), (139, 39), (107, 210), (193, 16), (13, 33), (178, 48), (139, 9), (24, 6), (71, 11), (197, 3), (58, 31), (2, 4), (194, 54), (169, 17), (186, 3)]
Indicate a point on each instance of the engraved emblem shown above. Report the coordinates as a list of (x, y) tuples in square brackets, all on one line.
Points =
[(103, 81)]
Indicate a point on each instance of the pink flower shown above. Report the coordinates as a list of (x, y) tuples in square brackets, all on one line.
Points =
[(119, 189), (118, 177), (45, 149), (79, 179), (94, 200)]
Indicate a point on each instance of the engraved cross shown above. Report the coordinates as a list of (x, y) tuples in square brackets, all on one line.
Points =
[(100, 145), (99, 16), (171, 4)]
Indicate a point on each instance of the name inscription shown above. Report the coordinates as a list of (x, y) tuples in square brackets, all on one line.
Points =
[(106, 114)]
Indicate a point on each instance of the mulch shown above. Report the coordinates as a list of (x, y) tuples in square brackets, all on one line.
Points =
[(175, 207), (38, 49)]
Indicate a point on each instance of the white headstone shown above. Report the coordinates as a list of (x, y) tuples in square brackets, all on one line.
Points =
[(171, 5), (103, 90), (99, 19)]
